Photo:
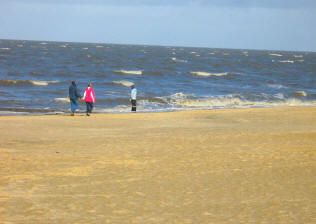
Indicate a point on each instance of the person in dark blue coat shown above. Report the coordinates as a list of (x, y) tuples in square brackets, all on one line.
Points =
[(74, 95)]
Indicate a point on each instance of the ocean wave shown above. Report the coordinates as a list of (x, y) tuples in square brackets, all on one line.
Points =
[(191, 101), (276, 55), (279, 96), (9, 113), (149, 99), (124, 83), (116, 93), (179, 60), (297, 56), (276, 86), (63, 100), (287, 61), (128, 72), (300, 93), (26, 82), (5, 48), (43, 83), (23, 111), (236, 102), (208, 74)]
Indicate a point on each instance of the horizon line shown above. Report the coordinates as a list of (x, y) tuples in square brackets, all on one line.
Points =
[(158, 45)]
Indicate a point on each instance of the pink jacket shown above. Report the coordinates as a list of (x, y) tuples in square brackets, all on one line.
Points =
[(89, 95)]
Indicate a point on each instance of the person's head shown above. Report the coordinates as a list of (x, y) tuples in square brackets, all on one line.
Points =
[(90, 84), (133, 86), (73, 82)]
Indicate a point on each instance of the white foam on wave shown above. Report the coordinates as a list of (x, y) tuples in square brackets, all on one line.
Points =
[(179, 60), (43, 83), (190, 101), (5, 48), (208, 74), (297, 56), (287, 61), (33, 82), (99, 46), (230, 102), (129, 72), (124, 83), (181, 96), (62, 100), (64, 46), (300, 60), (279, 96), (8, 113), (276, 86), (43, 43), (84, 48), (276, 55)]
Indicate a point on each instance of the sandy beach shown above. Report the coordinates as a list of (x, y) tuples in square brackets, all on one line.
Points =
[(199, 167)]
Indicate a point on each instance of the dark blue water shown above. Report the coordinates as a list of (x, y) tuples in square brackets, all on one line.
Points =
[(34, 77)]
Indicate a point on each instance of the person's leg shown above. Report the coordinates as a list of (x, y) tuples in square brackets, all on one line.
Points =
[(75, 105), (72, 106), (91, 107), (134, 105), (88, 108)]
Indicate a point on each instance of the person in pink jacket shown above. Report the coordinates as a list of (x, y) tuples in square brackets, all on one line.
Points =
[(89, 98)]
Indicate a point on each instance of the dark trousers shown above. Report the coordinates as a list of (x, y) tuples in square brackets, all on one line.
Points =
[(89, 107), (133, 105), (73, 105)]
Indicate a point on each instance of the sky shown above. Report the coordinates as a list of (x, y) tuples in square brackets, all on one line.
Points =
[(240, 24)]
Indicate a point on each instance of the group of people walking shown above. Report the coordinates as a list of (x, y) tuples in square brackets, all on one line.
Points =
[(89, 98)]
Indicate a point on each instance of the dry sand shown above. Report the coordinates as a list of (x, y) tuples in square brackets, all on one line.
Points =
[(199, 167)]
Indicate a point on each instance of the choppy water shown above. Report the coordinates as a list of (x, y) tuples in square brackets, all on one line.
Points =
[(35, 76)]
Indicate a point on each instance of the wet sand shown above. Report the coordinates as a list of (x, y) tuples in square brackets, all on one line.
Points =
[(199, 167)]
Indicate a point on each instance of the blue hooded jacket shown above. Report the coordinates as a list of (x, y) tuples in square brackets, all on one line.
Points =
[(73, 91)]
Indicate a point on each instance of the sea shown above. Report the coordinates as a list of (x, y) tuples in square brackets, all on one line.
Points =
[(35, 77)]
